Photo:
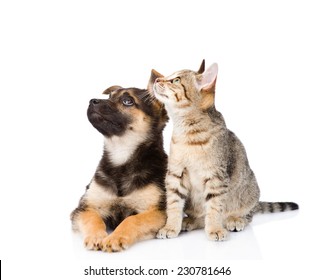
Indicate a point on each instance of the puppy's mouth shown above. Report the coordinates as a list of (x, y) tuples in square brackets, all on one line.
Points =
[(99, 117), (96, 114), (107, 118)]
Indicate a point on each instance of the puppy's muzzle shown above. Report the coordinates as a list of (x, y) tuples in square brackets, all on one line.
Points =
[(100, 105), (94, 102)]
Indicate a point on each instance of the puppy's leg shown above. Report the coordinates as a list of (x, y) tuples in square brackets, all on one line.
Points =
[(92, 226), (135, 228)]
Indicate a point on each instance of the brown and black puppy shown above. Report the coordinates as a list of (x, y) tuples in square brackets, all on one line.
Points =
[(127, 192)]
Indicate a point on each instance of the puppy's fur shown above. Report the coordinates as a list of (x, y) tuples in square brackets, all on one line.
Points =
[(127, 192)]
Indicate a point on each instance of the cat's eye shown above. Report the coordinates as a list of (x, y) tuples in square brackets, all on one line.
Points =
[(128, 101), (176, 81)]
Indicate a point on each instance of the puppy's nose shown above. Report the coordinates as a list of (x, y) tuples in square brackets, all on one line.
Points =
[(94, 101)]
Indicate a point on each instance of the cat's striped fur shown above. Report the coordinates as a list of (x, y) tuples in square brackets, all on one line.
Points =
[(209, 177)]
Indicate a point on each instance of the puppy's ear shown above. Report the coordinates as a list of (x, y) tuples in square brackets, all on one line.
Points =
[(154, 75), (111, 89), (202, 67)]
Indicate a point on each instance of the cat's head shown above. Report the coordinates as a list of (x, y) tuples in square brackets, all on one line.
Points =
[(186, 88)]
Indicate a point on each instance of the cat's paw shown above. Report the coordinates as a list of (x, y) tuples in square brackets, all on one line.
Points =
[(115, 243), (94, 242), (217, 234), (235, 224), (167, 232), (190, 224)]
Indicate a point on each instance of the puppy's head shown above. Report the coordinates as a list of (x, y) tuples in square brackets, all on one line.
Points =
[(126, 110)]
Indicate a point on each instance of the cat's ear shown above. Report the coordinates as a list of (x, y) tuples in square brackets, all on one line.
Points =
[(159, 107), (206, 83), (207, 80), (202, 67), (154, 75), (111, 89)]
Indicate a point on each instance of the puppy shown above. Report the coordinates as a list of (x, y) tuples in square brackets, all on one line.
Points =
[(127, 191)]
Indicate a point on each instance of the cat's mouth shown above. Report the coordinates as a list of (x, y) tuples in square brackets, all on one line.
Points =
[(158, 89), (161, 94)]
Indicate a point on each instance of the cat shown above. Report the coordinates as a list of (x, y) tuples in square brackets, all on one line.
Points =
[(209, 182)]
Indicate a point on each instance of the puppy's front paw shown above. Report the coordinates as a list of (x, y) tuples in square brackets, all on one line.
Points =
[(115, 243), (168, 232), (94, 242), (217, 234)]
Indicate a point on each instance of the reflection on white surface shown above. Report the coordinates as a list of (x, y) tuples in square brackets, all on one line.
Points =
[(194, 245)]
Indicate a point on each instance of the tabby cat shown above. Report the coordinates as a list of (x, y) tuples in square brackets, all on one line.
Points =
[(209, 182)]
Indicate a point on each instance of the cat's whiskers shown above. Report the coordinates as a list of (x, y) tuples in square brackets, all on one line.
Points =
[(148, 97)]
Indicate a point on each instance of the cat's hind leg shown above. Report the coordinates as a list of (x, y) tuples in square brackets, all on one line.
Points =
[(233, 223), (238, 220)]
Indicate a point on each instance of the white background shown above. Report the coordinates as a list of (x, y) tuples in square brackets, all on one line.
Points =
[(56, 55)]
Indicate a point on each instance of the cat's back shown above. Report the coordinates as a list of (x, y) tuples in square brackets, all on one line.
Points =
[(237, 160), (233, 149)]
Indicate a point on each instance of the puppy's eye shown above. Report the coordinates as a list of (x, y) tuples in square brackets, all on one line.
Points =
[(128, 101), (176, 81)]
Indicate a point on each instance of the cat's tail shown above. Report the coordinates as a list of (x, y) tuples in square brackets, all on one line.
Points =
[(274, 207)]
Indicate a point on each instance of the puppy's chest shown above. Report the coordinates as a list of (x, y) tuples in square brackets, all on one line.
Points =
[(106, 201), (121, 180)]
